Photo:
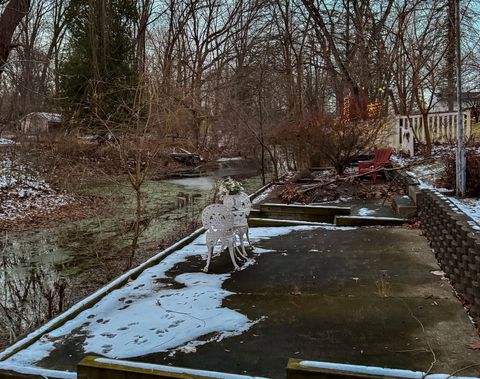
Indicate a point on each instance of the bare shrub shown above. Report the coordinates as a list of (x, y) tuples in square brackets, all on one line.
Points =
[(291, 194), (336, 141), (472, 175)]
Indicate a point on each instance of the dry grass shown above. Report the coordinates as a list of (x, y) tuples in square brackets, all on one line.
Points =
[(476, 130)]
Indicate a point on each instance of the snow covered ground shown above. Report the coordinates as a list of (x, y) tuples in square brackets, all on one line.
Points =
[(264, 195), (427, 175), (5, 141), (471, 207), (23, 192), (154, 313)]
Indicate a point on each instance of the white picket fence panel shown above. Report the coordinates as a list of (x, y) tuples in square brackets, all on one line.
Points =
[(442, 126)]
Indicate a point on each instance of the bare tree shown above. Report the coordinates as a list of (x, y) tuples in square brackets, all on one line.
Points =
[(352, 40), (424, 50), (14, 12), (130, 137)]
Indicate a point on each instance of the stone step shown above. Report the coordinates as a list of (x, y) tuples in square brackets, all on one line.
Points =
[(404, 206), (368, 221), (305, 209), (312, 213), (414, 192), (255, 213)]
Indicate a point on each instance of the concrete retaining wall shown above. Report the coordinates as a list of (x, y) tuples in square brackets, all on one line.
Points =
[(456, 244), (103, 368), (304, 369)]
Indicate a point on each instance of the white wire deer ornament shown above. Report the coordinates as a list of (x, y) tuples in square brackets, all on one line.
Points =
[(218, 220), (240, 205)]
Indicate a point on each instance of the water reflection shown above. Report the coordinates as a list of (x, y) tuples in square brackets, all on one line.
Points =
[(32, 289), (69, 247), (205, 183)]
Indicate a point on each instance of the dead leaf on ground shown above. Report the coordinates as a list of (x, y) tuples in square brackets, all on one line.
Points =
[(296, 291), (474, 345)]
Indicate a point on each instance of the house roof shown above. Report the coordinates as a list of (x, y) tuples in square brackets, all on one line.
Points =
[(50, 117)]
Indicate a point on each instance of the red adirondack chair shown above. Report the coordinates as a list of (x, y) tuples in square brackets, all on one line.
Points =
[(382, 157)]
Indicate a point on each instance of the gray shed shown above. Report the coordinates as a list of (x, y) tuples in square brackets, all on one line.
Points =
[(40, 122)]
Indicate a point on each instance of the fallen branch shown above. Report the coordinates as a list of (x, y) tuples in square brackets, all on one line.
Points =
[(348, 178), (427, 342), (462, 369)]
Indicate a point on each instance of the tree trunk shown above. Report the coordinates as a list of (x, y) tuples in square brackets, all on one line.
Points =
[(428, 137), (264, 181), (136, 227), (136, 180), (14, 12)]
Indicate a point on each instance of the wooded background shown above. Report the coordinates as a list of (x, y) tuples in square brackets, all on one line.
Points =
[(229, 73)]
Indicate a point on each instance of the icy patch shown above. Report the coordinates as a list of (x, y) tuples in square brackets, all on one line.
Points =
[(376, 371), (260, 250), (366, 212), (4, 141), (147, 316), (229, 159)]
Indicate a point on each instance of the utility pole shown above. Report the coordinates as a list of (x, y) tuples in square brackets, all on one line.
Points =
[(460, 158)]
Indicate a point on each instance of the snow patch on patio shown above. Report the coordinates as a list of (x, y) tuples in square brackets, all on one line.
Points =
[(366, 212), (154, 313)]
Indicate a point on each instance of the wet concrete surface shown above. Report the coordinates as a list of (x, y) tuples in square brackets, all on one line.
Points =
[(368, 296), (365, 296)]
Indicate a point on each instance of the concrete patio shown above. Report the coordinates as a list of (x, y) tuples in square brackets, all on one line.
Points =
[(371, 296)]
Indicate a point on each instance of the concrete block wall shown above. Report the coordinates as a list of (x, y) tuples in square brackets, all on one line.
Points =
[(455, 241)]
